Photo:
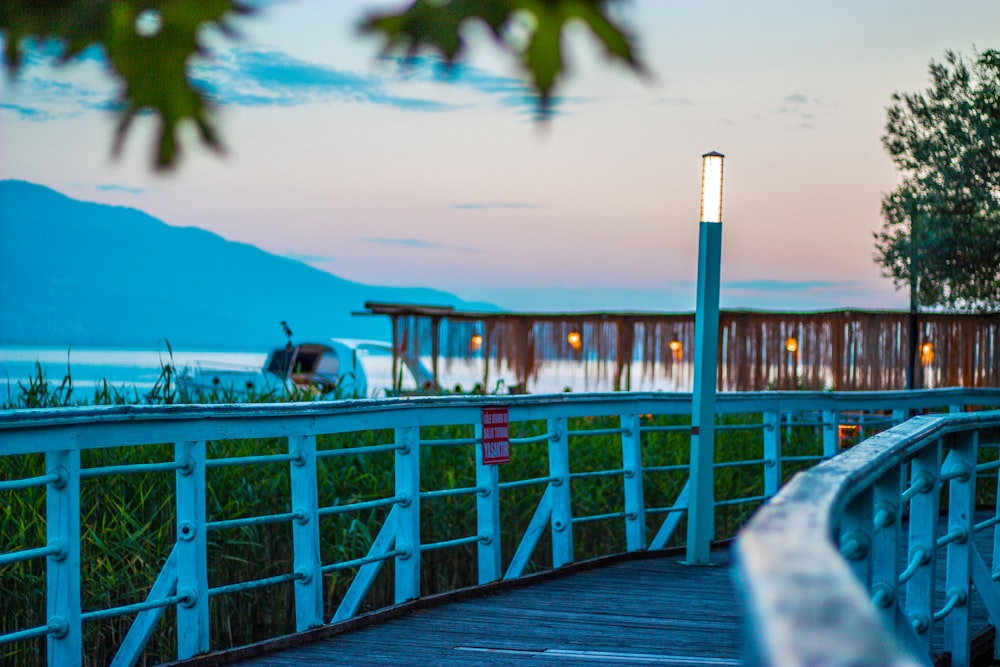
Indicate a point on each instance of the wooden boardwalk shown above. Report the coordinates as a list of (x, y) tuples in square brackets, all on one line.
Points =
[(644, 610)]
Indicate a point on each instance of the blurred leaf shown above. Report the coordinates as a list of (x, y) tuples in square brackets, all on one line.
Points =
[(150, 57), (437, 25)]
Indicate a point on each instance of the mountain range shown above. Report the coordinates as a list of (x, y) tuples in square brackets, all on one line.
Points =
[(76, 273)]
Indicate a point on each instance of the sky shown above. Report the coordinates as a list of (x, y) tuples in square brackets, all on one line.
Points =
[(393, 175)]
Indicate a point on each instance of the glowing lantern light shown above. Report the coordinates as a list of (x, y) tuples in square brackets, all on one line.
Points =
[(574, 339), (792, 345), (475, 342), (677, 348), (926, 353)]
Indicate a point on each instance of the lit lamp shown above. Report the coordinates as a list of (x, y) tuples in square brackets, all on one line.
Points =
[(701, 507), (677, 348), (475, 342), (574, 339), (792, 345), (926, 353)]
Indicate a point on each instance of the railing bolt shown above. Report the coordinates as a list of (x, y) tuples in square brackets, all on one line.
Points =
[(301, 516), (404, 551), (486, 538), (187, 465), (62, 478), (61, 550), (884, 594), (304, 575), (919, 623), (60, 627), (300, 457), (558, 524), (854, 545), (188, 598), (185, 530), (885, 515)]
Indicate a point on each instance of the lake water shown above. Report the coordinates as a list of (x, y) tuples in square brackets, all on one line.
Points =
[(89, 367)]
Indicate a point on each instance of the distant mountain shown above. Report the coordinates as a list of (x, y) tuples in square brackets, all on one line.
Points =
[(86, 274)]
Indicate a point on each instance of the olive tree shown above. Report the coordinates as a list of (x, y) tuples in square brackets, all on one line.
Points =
[(941, 229)]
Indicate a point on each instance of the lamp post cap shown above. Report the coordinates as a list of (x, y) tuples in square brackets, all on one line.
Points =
[(713, 154)]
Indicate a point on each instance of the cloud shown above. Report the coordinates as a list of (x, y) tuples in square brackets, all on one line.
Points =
[(27, 113), (417, 244), (790, 285), (673, 101), (802, 110), (110, 187), (493, 205), (247, 77)]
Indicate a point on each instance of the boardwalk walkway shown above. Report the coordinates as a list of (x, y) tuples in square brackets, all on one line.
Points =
[(652, 611), (644, 610)]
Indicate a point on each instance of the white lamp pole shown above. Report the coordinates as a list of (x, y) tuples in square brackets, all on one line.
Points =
[(701, 505)]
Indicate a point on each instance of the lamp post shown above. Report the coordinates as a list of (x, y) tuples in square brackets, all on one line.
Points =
[(701, 506)]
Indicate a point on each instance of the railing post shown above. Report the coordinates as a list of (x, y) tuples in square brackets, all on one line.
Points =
[(561, 520), (305, 533), (958, 566), (831, 433), (62, 570), (487, 515), (192, 550), (772, 454), (635, 511), (924, 471), (856, 536), (408, 538), (886, 540)]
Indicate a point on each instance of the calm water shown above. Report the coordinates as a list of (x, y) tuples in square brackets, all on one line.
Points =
[(140, 369)]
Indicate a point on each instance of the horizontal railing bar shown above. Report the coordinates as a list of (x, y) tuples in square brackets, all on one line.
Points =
[(989, 465), (445, 493), (253, 521), (253, 585), (741, 427), (361, 506), (30, 633), (665, 429), (919, 485), (597, 473), (530, 439), (954, 600), (132, 469), (673, 468), (30, 554), (738, 464), (918, 556), (102, 614), (358, 562), (581, 433), (526, 482), (988, 523), (804, 423), (250, 460), (29, 482), (665, 510), (348, 451), (449, 442), (810, 457), (740, 501), (959, 534), (602, 517), (434, 546)]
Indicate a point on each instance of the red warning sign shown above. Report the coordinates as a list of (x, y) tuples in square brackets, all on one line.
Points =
[(496, 436)]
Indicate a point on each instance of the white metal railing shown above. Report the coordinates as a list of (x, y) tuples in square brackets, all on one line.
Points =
[(62, 436), (840, 566)]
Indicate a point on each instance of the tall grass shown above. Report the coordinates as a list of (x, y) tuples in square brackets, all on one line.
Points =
[(128, 521)]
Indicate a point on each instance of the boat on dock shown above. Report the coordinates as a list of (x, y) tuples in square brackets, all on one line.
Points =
[(335, 368)]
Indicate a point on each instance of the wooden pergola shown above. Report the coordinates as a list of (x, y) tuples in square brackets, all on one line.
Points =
[(758, 350)]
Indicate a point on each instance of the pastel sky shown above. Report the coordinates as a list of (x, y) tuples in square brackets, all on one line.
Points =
[(396, 175)]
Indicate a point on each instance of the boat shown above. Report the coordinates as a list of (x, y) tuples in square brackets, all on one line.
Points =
[(332, 369)]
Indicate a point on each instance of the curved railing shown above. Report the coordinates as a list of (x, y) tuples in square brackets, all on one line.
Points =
[(839, 567), (310, 447)]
